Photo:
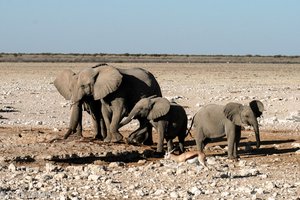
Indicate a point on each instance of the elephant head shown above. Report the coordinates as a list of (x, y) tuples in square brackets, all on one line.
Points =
[(65, 83), (240, 114), (97, 82), (150, 108)]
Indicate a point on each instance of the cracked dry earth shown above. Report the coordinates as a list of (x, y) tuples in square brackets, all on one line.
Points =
[(33, 113)]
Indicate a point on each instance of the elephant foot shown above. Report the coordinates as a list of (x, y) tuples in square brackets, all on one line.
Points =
[(99, 137), (117, 138), (232, 158), (107, 139)]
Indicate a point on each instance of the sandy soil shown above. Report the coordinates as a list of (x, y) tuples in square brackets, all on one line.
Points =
[(32, 113)]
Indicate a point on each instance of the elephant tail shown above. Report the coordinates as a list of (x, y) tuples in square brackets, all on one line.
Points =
[(189, 130)]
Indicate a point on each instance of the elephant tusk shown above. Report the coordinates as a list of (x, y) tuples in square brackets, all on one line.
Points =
[(172, 151)]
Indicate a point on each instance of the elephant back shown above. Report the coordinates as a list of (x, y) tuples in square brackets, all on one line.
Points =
[(139, 83)]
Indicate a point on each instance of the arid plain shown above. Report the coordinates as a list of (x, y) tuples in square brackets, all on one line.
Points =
[(33, 113)]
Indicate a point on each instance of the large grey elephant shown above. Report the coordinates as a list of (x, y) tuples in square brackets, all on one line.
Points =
[(169, 120), (215, 121), (65, 83), (119, 90)]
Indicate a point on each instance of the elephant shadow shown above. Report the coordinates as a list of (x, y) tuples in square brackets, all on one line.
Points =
[(7, 109), (122, 157), (268, 147)]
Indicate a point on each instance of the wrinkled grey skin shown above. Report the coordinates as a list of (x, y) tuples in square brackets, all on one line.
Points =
[(118, 90), (215, 121), (65, 83), (169, 120)]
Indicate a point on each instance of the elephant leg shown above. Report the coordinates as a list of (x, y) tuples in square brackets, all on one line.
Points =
[(79, 127), (170, 145), (103, 128), (161, 127), (237, 141), (97, 119), (114, 126), (96, 126), (181, 136), (148, 137), (106, 118), (231, 142), (181, 144), (199, 139)]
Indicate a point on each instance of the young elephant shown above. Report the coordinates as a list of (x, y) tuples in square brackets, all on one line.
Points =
[(215, 121), (169, 119)]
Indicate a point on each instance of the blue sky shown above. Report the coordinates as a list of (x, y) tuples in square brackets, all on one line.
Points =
[(257, 27)]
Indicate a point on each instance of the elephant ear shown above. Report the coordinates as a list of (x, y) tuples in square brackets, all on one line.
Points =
[(257, 107), (108, 80), (232, 112), (64, 83), (160, 107)]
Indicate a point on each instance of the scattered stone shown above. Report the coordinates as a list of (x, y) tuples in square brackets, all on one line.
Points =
[(115, 164), (159, 192), (174, 195), (142, 161), (295, 145), (12, 167), (195, 191), (211, 160), (93, 177)]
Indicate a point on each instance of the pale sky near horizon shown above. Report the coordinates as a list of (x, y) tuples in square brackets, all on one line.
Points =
[(232, 27)]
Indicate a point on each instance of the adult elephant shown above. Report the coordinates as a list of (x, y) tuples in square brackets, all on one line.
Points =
[(119, 90), (65, 83), (215, 121)]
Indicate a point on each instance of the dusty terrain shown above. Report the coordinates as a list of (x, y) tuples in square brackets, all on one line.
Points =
[(32, 113)]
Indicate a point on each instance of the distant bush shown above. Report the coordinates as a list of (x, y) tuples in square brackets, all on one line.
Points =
[(278, 56)]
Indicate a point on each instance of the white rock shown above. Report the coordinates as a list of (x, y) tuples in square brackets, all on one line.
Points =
[(174, 195), (142, 161), (259, 190), (115, 164), (93, 177), (60, 176), (242, 163), (270, 185), (211, 160), (296, 145), (181, 171), (195, 191), (11, 167), (225, 194), (51, 168), (140, 193), (39, 123), (159, 192)]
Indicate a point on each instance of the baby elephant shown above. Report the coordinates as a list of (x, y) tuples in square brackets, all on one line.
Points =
[(215, 121), (169, 119)]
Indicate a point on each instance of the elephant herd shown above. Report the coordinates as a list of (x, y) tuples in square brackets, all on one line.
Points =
[(114, 96)]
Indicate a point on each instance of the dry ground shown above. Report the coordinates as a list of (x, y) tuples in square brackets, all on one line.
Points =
[(32, 113)]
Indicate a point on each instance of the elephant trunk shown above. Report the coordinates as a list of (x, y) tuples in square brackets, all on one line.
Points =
[(76, 115), (131, 115), (256, 130)]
